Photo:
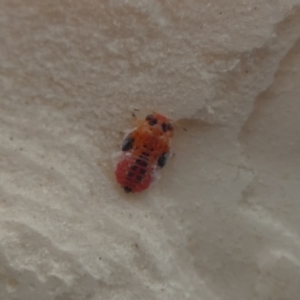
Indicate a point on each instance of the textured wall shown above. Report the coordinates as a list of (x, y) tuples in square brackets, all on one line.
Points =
[(223, 222)]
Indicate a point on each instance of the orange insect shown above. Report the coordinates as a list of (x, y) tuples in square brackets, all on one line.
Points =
[(145, 150)]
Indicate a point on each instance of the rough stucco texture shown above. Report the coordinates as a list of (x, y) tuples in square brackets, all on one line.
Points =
[(223, 222)]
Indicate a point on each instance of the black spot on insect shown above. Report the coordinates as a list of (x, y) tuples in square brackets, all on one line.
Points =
[(145, 153), (130, 174), (149, 117), (133, 167), (127, 189), (151, 120), (139, 178), (166, 127), (142, 171), (127, 143), (162, 160), (141, 162)]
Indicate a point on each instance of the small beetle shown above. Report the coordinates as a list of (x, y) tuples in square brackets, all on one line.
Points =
[(145, 150)]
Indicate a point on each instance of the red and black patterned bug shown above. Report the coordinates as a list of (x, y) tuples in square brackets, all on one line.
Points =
[(145, 150)]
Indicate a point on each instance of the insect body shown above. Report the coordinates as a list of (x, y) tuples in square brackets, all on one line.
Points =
[(144, 151)]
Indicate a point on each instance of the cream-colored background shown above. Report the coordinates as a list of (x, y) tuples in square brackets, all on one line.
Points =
[(224, 220)]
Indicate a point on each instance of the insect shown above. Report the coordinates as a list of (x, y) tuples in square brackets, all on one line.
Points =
[(145, 150)]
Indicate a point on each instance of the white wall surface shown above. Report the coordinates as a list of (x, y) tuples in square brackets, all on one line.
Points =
[(224, 220)]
